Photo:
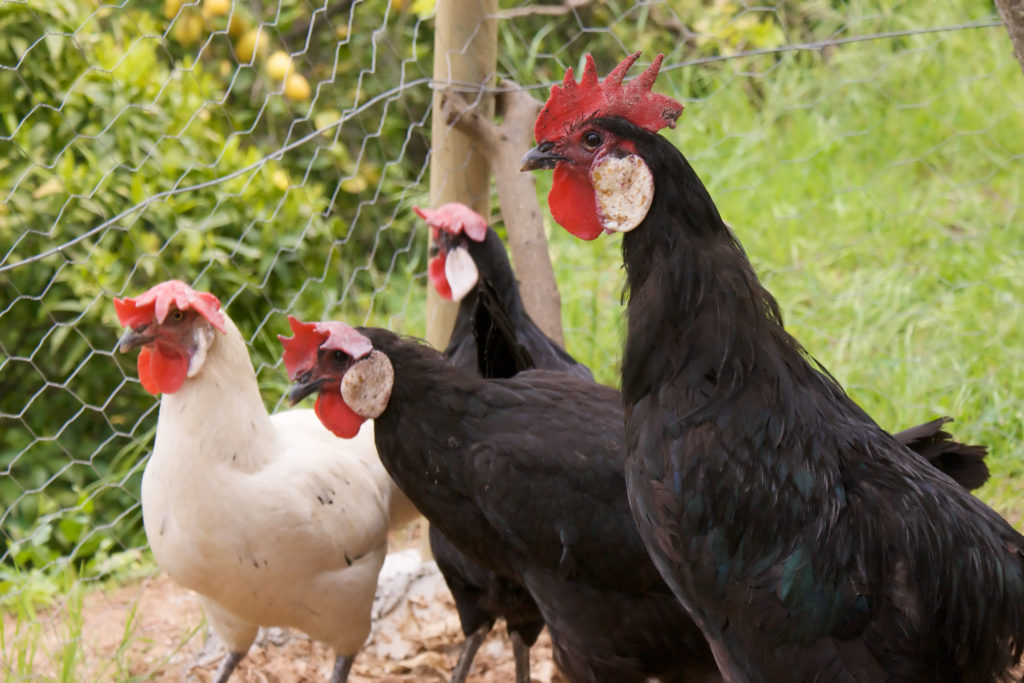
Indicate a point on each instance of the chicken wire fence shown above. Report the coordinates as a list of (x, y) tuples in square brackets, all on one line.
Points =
[(272, 152)]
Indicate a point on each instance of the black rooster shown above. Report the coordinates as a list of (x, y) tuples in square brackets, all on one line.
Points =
[(806, 541)]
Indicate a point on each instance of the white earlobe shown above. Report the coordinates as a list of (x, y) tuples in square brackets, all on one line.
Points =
[(624, 190), (366, 386), (461, 272), (202, 338)]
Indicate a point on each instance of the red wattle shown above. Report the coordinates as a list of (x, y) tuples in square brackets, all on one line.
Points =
[(145, 373), (435, 273), (160, 372), (573, 204), (335, 414)]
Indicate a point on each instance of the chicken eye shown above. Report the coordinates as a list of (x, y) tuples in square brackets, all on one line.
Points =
[(177, 316), (339, 357), (592, 140)]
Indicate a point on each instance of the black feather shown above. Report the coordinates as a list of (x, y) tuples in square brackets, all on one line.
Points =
[(492, 261), (499, 353), (964, 463)]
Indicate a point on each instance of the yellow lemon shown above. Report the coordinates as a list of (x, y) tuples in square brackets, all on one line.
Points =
[(249, 45), (216, 8), (278, 66), (171, 8), (188, 29), (281, 179), (296, 87), (237, 26)]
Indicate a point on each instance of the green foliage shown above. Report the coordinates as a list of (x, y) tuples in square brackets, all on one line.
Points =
[(150, 160)]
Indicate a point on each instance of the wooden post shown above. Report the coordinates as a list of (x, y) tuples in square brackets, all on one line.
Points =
[(465, 52), (517, 196), (1012, 12)]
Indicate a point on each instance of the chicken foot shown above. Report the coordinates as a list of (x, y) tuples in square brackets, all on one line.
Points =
[(468, 653)]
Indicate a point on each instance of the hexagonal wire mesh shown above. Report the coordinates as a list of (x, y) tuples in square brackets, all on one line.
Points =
[(271, 153)]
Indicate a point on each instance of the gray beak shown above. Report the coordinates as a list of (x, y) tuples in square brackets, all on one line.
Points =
[(133, 338), (303, 387), (541, 157)]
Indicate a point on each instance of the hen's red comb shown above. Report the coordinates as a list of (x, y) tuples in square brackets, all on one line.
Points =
[(455, 217), (301, 350), (634, 101), (156, 303)]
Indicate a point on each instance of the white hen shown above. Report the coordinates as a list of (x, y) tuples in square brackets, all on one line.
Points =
[(271, 519)]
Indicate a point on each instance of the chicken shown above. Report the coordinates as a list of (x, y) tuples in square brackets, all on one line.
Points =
[(269, 518), (457, 258), (806, 542), (464, 250), (525, 477)]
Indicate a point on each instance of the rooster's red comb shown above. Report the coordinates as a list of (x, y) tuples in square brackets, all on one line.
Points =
[(455, 217), (300, 351), (156, 303), (634, 101)]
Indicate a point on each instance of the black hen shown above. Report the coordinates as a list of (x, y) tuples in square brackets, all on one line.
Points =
[(806, 541), (483, 596), (525, 477), (459, 232)]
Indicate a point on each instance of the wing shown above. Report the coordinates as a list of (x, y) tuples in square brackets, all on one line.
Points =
[(865, 544), (559, 458), (546, 354), (324, 497)]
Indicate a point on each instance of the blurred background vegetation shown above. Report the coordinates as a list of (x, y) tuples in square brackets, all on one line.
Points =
[(271, 153)]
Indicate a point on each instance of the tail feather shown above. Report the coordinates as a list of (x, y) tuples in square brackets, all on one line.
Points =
[(964, 463)]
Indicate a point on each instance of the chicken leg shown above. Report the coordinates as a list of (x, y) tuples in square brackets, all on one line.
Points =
[(469, 648), (342, 665), (521, 656), (227, 666)]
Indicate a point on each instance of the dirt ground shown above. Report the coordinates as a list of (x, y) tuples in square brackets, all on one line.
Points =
[(416, 637)]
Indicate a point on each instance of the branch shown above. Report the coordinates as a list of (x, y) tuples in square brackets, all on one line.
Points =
[(504, 145), (543, 10), (1012, 12)]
